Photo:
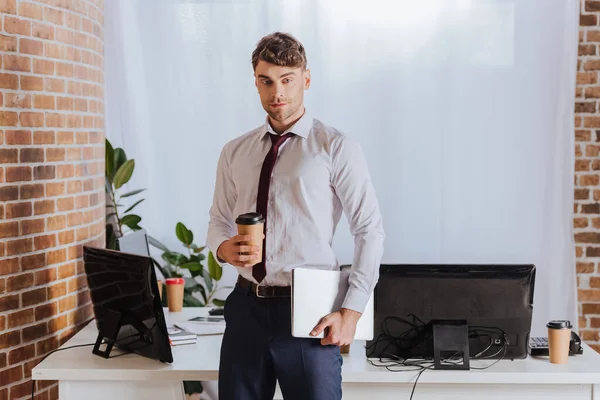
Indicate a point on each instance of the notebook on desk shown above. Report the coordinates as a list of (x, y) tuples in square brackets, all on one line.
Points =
[(316, 293)]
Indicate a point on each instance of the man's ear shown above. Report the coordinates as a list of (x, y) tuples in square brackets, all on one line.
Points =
[(306, 79)]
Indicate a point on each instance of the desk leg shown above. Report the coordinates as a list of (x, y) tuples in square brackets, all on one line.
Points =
[(120, 390)]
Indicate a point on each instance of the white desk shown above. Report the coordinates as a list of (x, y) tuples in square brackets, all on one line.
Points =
[(83, 375)]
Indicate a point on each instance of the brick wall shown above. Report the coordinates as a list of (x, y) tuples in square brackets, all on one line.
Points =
[(51, 178), (587, 173)]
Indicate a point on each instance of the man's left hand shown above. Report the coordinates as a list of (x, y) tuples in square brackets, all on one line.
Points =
[(339, 327)]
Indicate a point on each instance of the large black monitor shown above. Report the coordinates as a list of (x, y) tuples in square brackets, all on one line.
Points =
[(435, 311), (126, 302)]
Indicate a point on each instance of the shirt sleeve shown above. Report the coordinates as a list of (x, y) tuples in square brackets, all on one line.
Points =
[(221, 224), (352, 184)]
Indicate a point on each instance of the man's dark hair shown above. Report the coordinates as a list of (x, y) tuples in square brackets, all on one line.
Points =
[(280, 49)]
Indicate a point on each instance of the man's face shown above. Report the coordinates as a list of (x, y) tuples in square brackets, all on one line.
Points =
[(281, 89)]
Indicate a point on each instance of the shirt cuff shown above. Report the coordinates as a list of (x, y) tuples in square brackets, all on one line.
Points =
[(356, 300), (214, 246)]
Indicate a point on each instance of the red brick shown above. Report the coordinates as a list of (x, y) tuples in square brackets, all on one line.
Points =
[(587, 237), (57, 222), (9, 339), (43, 137), (55, 16), (22, 389), (74, 219), (33, 191), (47, 345), (30, 10), (35, 261), (44, 242), (44, 102), (43, 31), (45, 276), (34, 332), (590, 208), (32, 83), (67, 303), (11, 375), (19, 318), (9, 229), (65, 204), (44, 172), (32, 155), (18, 210), (9, 156), (57, 290), (16, 63), (587, 50), (8, 193), (8, 118), (17, 26), (18, 100), (588, 20), (57, 256), (43, 207), (57, 323), (46, 67), (8, 303), (31, 119), (65, 171), (9, 81), (18, 174), (65, 137), (9, 266), (54, 188), (54, 85), (18, 282), (582, 135), (29, 46), (8, 6), (32, 297), (8, 43), (18, 246)]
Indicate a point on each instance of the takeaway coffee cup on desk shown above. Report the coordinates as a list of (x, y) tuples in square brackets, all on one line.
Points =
[(252, 224), (175, 293), (559, 336)]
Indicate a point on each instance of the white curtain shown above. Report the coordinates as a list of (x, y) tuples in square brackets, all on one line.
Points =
[(464, 110)]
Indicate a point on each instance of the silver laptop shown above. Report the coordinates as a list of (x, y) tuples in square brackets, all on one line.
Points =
[(135, 243), (316, 293)]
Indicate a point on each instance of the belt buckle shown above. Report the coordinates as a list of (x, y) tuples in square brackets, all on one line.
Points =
[(256, 292)]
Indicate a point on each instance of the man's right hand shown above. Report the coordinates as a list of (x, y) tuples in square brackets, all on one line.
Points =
[(229, 251)]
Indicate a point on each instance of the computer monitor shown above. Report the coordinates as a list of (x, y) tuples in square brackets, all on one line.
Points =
[(126, 303), (436, 311)]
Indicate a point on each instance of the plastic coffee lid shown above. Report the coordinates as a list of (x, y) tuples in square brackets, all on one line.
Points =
[(175, 281), (250, 219), (559, 324)]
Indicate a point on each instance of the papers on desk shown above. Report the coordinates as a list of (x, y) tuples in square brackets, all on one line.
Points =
[(203, 325), (179, 336)]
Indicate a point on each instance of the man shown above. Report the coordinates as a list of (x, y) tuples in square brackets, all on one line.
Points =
[(300, 174)]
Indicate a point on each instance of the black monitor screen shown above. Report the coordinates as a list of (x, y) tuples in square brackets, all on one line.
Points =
[(496, 301), (126, 302)]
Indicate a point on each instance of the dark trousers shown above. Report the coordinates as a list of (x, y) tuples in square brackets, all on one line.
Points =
[(258, 350)]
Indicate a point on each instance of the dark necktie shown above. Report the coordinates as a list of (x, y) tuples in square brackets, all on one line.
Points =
[(259, 271)]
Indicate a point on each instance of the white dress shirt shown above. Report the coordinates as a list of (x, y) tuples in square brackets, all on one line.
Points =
[(319, 173)]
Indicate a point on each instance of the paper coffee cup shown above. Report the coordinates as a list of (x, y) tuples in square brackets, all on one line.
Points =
[(252, 224), (175, 293), (559, 337), (160, 287)]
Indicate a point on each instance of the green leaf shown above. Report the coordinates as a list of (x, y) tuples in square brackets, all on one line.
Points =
[(124, 173), (109, 160), (191, 284), (131, 220), (198, 249), (190, 301), (214, 269), (184, 234), (174, 258), (207, 280), (154, 242), (132, 193), (120, 158), (111, 238), (192, 266), (218, 302), (202, 292), (131, 208), (108, 188)]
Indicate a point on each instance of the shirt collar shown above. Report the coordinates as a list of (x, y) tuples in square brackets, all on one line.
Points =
[(301, 128)]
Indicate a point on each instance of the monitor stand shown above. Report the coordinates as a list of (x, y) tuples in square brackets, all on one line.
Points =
[(114, 320), (450, 339)]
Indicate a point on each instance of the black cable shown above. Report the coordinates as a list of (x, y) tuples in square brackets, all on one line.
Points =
[(72, 347), (415, 384), (54, 351)]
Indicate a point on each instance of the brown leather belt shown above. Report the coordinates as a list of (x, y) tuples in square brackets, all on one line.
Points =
[(264, 291)]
